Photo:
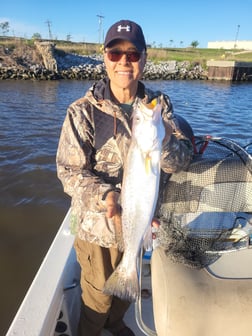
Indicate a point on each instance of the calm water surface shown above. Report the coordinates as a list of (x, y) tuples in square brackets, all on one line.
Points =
[(32, 203)]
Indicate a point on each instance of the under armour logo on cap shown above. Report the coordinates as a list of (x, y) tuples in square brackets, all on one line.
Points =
[(126, 30)]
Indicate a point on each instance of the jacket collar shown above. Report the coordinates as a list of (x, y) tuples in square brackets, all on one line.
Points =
[(101, 90)]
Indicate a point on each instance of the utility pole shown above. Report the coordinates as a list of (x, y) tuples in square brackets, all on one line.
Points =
[(100, 18), (236, 36), (49, 29)]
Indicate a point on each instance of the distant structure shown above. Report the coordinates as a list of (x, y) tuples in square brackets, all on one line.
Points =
[(49, 23), (246, 45), (100, 18), (229, 70)]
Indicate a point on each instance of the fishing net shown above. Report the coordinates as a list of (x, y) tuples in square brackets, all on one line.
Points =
[(207, 210)]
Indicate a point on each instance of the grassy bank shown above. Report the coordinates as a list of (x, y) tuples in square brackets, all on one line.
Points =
[(199, 55), (193, 55)]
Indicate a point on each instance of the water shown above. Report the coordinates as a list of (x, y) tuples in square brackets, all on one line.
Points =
[(216, 108), (32, 201)]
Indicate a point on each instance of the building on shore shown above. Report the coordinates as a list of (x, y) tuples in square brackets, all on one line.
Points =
[(246, 45), (229, 70)]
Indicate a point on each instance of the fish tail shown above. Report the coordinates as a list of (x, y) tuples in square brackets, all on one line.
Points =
[(122, 284)]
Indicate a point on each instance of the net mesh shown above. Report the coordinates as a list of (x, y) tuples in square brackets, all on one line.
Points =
[(207, 210)]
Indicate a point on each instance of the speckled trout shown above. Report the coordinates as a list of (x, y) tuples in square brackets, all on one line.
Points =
[(139, 195)]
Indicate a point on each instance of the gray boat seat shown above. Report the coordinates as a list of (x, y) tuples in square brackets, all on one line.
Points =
[(211, 301)]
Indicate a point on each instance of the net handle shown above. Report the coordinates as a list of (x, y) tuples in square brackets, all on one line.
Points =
[(200, 147)]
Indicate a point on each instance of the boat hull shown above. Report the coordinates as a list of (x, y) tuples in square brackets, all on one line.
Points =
[(54, 294)]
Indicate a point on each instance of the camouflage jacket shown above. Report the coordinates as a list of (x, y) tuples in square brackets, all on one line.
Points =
[(93, 144)]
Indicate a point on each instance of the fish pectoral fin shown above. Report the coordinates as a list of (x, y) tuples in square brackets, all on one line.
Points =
[(148, 164), (151, 163)]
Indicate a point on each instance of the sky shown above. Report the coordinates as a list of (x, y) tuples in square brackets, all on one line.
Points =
[(165, 23)]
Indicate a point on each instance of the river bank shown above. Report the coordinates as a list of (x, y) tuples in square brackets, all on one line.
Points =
[(46, 60), (90, 70), (71, 66)]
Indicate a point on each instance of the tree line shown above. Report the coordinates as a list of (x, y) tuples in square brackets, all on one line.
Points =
[(5, 27)]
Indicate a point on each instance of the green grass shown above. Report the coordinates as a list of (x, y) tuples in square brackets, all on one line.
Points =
[(198, 55), (192, 55)]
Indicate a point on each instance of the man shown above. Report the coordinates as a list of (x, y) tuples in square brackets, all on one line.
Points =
[(92, 151)]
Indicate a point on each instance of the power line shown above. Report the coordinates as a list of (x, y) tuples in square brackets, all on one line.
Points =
[(49, 29), (236, 36), (100, 18)]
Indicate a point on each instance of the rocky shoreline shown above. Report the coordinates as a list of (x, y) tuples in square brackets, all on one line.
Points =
[(92, 68), (60, 65), (42, 60)]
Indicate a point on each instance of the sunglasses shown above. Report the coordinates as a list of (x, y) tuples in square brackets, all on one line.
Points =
[(116, 55)]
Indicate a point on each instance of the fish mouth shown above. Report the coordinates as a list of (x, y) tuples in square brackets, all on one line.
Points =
[(149, 109)]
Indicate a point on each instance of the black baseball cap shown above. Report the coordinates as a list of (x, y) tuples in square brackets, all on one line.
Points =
[(126, 30)]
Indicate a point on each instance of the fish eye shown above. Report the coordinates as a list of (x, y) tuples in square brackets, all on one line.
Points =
[(137, 116)]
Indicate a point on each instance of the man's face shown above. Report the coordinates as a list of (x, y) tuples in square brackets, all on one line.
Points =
[(124, 69)]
